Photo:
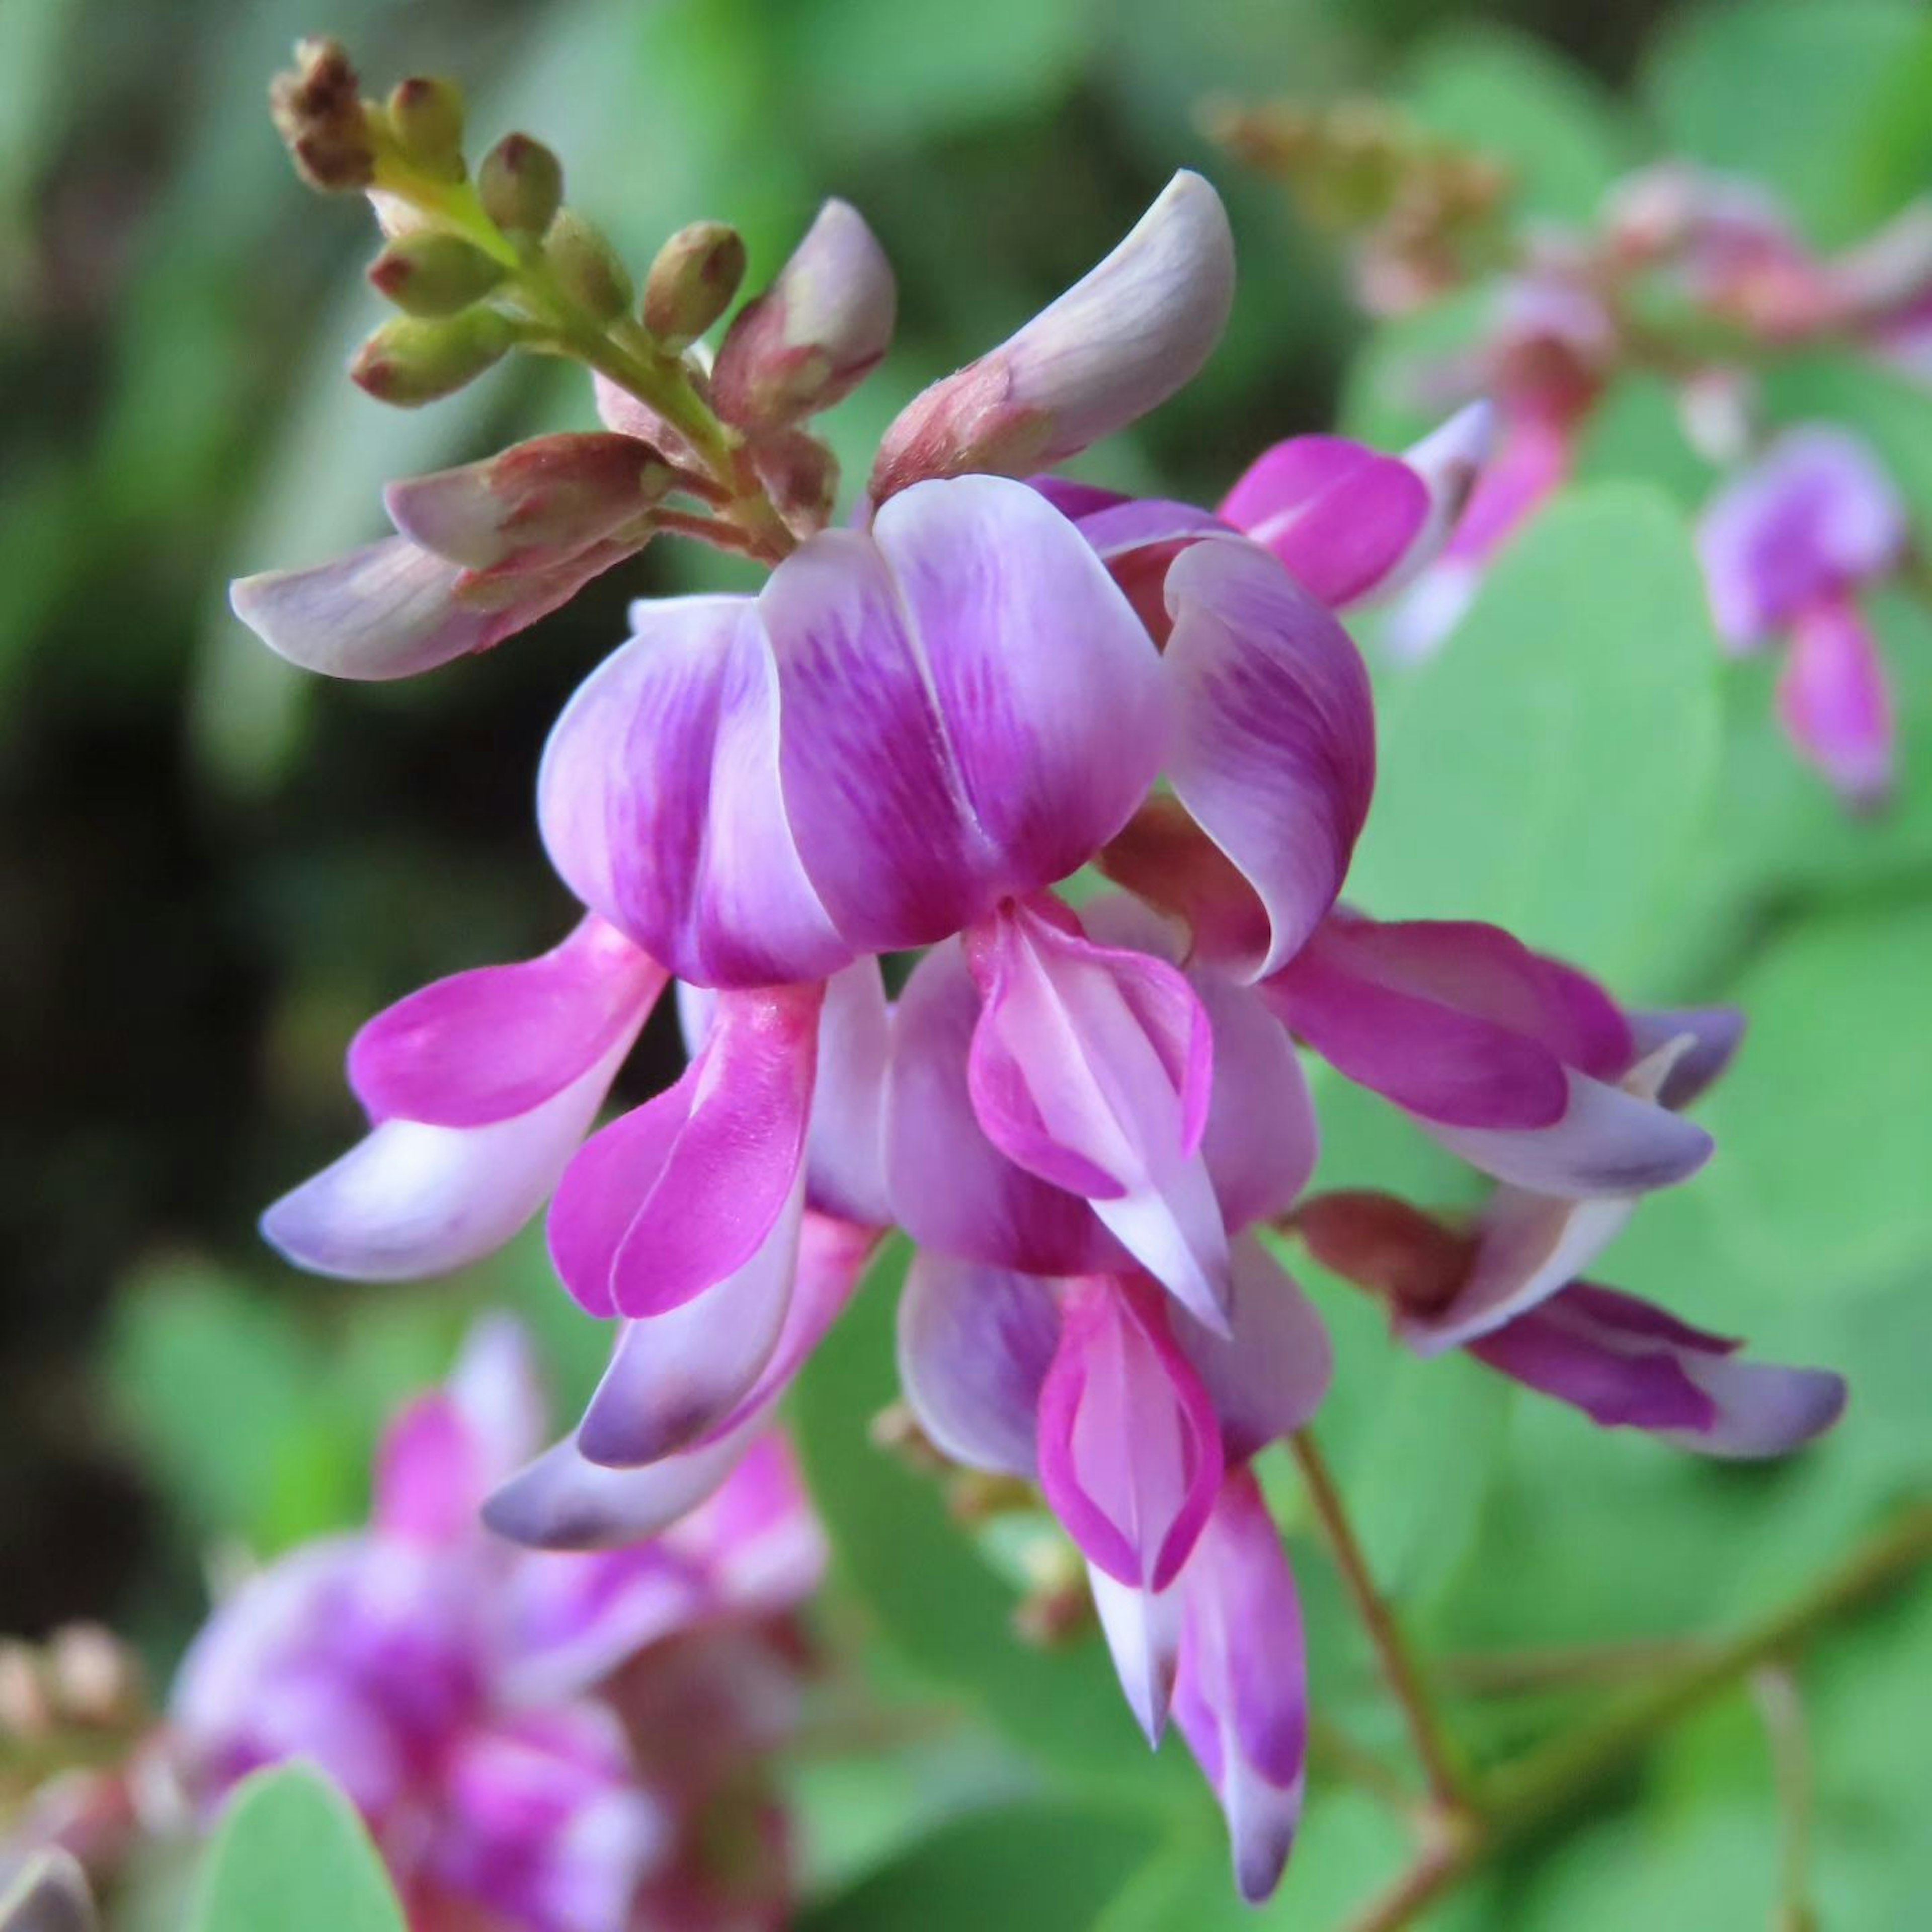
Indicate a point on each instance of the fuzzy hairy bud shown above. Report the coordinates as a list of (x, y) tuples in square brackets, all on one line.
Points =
[(692, 281), (520, 184), (411, 360), (319, 113), (427, 274)]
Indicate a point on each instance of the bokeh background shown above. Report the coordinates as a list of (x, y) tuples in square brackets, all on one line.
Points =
[(210, 869)]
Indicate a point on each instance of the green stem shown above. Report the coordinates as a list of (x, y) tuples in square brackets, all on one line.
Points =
[(1404, 1681), (1779, 1705)]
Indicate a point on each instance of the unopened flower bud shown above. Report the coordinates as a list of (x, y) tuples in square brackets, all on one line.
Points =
[(412, 359), (320, 115), (520, 184), (1116, 343), (426, 117), (587, 266), (690, 284), (801, 476), (815, 333), (1415, 1262), (429, 274)]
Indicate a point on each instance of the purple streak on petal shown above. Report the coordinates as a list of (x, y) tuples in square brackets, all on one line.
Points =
[(562, 1501), (1130, 1452), (1607, 1143), (682, 1192), (1834, 700), (660, 805), (1715, 1034), (674, 1377), (411, 1200), (1611, 1310), (1092, 1066), (494, 1042), (1143, 1632), (845, 1152), (951, 1188), (1241, 1695), (1133, 523), (1075, 499), (1338, 516), (1274, 732), (1616, 1387), (1813, 516), (971, 707), (975, 1344), (1267, 1376)]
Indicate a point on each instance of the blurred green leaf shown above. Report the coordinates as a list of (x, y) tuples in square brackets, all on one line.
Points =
[(1562, 137), (1553, 769), (932, 1598), (291, 1855), (1637, 433), (1823, 103), (1033, 1868), (1412, 371)]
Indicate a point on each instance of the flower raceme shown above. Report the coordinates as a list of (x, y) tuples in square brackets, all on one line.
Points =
[(1083, 1109), (498, 1715)]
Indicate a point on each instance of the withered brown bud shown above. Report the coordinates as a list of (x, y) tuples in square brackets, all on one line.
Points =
[(319, 113), (520, 184), (1415, 1262)]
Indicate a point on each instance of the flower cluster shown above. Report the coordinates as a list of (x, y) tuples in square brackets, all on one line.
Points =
[(562, 1743), (866, 819)]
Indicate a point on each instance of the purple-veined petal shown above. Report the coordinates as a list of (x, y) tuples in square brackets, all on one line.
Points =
[(1834, 701), (411, 1200), (1273, 749), (683, 1191), (675, 1376), (1241, 1695), (1338, 516), (1143, 1632), (1091, 1067), (1268, 1375), (495, 1042), (845, 1151), (975, 1344), (660, 805), (1129, 1451), (391, 609), (562, 1501), (1120, 341), (1813, 516), (971, 708), (951, 1188)]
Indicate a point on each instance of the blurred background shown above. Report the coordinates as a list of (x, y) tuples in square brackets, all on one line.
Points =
[(212, 868)]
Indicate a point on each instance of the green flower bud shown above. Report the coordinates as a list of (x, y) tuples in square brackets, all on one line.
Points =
[(521, 185), (692, 281), (587, 266), (426, 117), (411, 359), (323, 119), (433, 274)]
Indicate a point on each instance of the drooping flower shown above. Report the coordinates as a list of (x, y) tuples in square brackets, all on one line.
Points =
[(477, 1701), (1787, 547)]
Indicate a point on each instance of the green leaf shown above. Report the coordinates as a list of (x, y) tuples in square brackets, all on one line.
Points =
[(1824, 1133), (1390, 393), (1823, 103), (1636, 433), (1033, 1868), (1552, 767), (291, 1854), (1561, 136), (934, 1599)]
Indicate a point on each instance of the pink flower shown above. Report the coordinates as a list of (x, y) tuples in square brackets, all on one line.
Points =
[(464, 1692)]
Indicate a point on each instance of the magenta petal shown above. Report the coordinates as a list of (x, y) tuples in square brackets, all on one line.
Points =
[(486, 1044), (1339, 516), (971, 707), (411, 1200), (975, 1344), (563, 1501), (1122, 525), (951, 1188), (660, 805), (675, 1376), (1274, 733), (845, 1154), (1143, 1632), (1834, 700), (1268, 1375), (428, 1480), (1241, 1695), (1091, 1067), (682, 1192), (1129, 1451)]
